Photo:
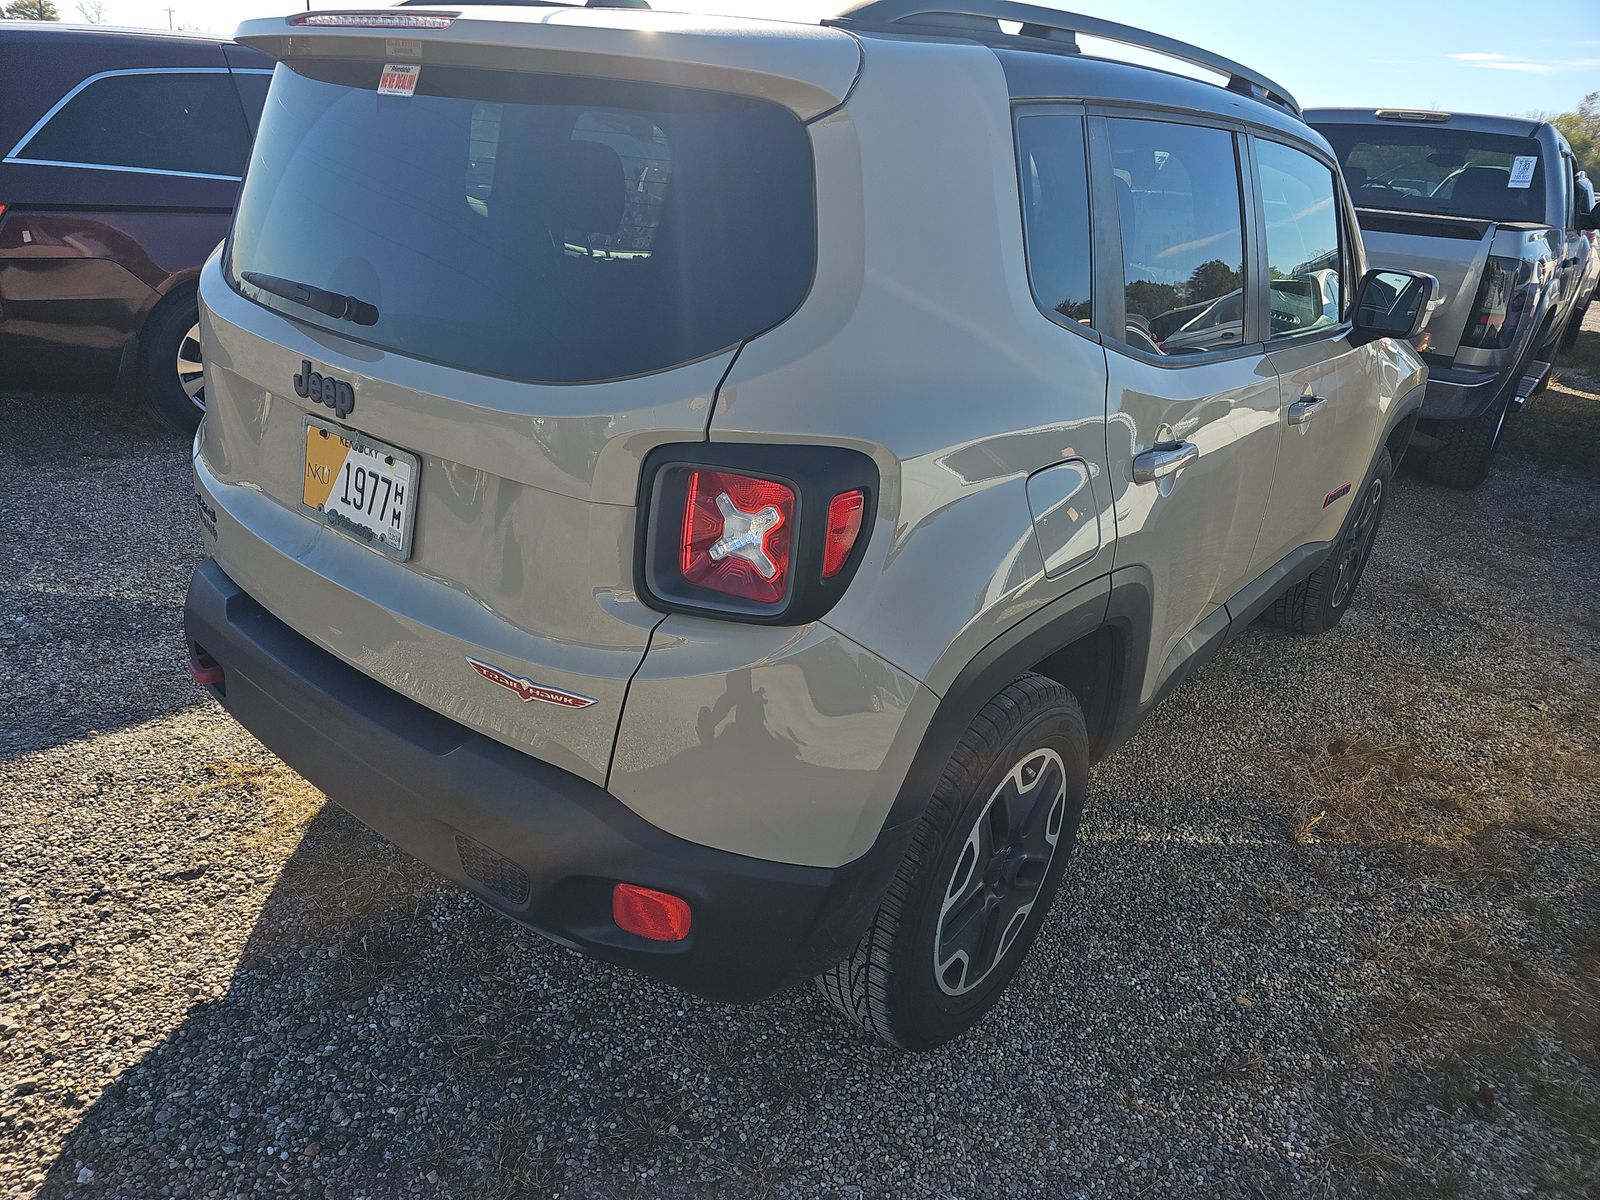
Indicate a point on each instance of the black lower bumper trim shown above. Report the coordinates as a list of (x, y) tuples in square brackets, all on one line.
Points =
[(542, 845)]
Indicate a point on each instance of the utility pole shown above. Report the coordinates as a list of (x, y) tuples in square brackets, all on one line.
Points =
[(169, 17)]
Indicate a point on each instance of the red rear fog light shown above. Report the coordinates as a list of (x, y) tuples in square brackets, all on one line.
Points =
[(647, 913)]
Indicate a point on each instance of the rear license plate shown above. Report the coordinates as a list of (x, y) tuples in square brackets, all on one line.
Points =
[(363, 488)]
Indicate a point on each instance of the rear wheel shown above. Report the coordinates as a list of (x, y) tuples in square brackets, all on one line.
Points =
[(171, 379), (977, 881), (1468, 447), (1319, 603), (1570, 337)]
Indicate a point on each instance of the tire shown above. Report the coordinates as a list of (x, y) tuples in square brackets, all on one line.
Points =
[(1029, 746), (1469, 446), (175, 396), (1569, 339), (1319, 603)]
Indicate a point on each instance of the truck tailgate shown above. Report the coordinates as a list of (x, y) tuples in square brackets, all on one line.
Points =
[(1453, 249)]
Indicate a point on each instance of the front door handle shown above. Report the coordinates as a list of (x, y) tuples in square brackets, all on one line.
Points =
[(1301, 411), (1162, 460)]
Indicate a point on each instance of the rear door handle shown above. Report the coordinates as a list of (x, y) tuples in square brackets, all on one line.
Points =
[(1301, 411), (1162, 460)]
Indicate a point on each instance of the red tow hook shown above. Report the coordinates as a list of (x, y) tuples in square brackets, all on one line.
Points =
[(204, 669)]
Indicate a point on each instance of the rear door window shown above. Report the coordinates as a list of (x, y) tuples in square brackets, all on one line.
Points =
[(186, 122), (252, 85), (1305, 270), (1054, 179), (555, 229), (1181, 210)]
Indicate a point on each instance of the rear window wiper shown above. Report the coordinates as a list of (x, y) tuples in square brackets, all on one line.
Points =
[(343, 308)]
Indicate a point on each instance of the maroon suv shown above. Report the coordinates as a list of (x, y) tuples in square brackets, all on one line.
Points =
[(122, 157)]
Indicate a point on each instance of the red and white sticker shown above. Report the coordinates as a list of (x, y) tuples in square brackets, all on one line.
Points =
[(399, 79)]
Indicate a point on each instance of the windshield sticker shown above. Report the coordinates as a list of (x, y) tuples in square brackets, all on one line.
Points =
[(400, 79), (1522, 171)]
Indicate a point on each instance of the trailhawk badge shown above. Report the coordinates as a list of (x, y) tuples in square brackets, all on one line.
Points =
[(527, 688)]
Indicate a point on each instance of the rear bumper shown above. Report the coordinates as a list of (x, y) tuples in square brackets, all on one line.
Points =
[(1461, 393), (536, 843)]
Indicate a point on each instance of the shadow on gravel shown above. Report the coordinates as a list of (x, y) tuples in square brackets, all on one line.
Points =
[(79, 663), (56, 427), (96, 544), (383, 1034)]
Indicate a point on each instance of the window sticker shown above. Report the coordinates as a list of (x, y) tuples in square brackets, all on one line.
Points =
[(400, 79), (1522, 171)]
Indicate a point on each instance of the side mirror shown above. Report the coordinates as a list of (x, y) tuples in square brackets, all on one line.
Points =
[(1590, 219), (1393, 304)]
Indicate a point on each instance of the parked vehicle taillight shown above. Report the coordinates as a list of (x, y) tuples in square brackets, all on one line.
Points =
[(1497, 312), (766, 534), (736, 531)]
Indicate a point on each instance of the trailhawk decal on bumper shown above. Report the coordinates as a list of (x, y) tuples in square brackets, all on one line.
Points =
[(1338, 493), (527, 688)]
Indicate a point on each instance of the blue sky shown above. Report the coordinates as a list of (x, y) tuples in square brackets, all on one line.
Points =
[(1467, 55)]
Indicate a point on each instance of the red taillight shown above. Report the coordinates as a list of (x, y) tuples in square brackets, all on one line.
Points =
[(1498, 310), (844, 526), (736, 535), (647, 913)]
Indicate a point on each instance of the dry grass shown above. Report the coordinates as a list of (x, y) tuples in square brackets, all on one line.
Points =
[(1568, 413), (288, 802), (1499, 1002), (1537, 772)]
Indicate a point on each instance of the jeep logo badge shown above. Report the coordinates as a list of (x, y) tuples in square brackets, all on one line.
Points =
[(324, 389)]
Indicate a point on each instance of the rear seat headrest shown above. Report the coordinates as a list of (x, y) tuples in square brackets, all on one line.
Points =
[(589, 189)]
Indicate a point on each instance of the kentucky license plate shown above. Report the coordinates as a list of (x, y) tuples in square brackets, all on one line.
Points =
[(364, 489)]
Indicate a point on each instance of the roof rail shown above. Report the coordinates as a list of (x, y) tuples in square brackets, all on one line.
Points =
[(982, 18)]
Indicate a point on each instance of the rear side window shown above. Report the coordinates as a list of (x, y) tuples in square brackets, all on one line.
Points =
[(190, 122), (252, 87), (1055, 206), (555, 229), (1436, 169), (1181, 210), (1305, 283)]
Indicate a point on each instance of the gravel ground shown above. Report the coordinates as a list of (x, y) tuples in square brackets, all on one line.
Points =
[(1329, 931)]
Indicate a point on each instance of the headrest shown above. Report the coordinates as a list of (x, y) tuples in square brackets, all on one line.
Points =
[(588, 189), (1480, 186)]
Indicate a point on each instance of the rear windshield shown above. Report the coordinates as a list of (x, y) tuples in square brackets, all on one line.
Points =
[(1435, 169), (551, 228)]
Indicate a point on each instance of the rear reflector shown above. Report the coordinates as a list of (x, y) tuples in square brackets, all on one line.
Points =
[(374, 20), (646, 913), (204, 669), (844, 526)]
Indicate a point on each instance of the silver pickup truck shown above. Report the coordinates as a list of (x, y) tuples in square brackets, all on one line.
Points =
[(1493, 208)]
